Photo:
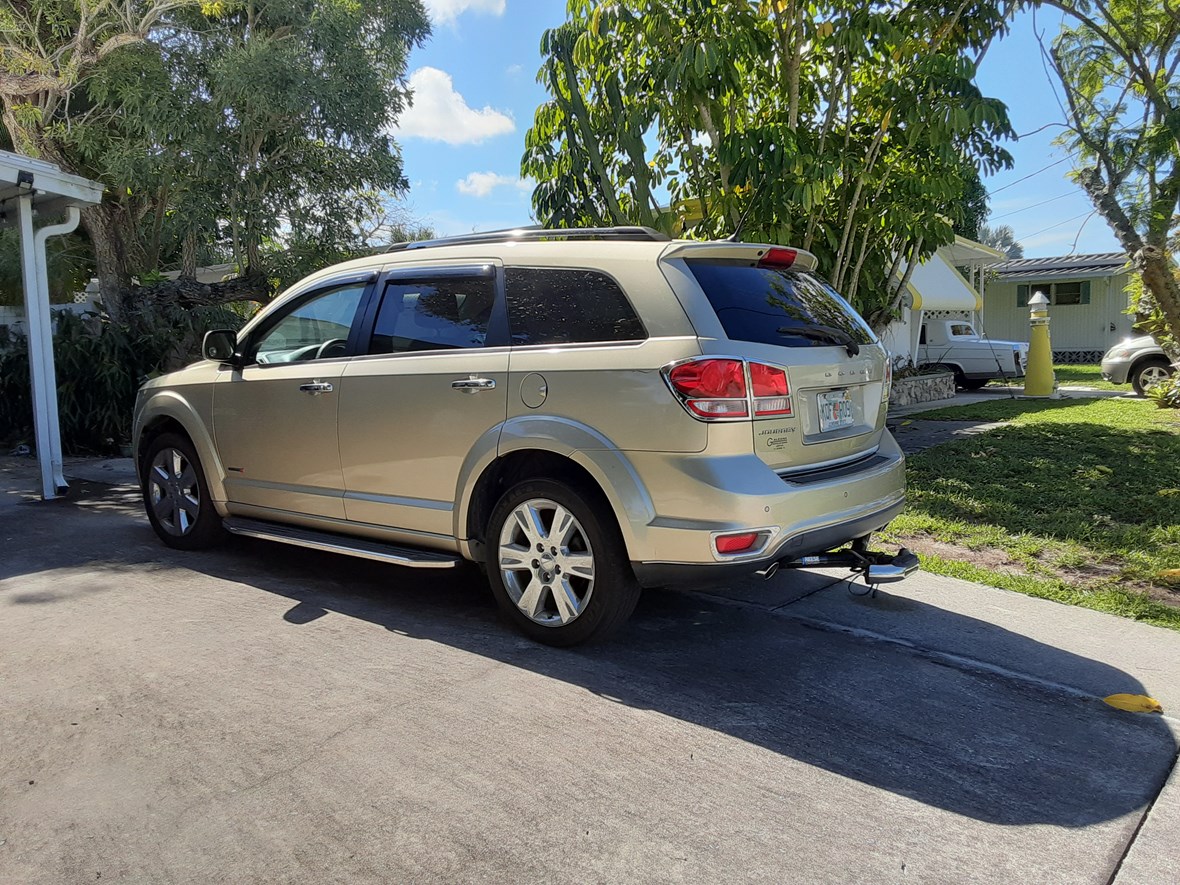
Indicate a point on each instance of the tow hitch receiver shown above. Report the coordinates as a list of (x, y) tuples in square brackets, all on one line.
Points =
[(874, 566)]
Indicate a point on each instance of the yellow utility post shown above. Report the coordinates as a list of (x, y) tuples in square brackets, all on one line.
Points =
[(1039, 380)]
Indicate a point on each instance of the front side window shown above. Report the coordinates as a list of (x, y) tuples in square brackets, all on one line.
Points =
[(444, 313), (560, 306), (314, 330), (962, 330)]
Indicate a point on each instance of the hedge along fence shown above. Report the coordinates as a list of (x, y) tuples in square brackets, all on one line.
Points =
[(100, 366)]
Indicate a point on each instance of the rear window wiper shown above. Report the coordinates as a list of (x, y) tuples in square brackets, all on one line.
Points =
[(823, 333)]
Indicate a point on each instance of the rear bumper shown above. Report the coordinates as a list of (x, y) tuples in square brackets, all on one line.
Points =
[(796, 514), (663, 574)]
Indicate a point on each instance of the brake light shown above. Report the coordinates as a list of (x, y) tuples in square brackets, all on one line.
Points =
[(778, 258), (716, 388), (735, 543), (712, 388), (771, 394), (888, 385)]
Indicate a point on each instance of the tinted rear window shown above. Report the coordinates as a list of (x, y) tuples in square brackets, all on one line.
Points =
[(775, 306), (557, 306)]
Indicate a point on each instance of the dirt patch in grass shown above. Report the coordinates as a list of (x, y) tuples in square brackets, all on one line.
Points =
[(1083, 577), (985, 557)]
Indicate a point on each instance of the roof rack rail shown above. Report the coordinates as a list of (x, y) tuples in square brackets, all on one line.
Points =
[(532, 234)]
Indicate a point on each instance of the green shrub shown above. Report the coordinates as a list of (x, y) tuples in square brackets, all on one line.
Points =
[(100, 366), (1166, 394)]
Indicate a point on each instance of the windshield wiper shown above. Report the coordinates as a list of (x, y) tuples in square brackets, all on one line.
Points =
[(823, 333)]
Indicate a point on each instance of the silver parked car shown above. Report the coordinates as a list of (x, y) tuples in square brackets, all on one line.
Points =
[(581, 413), (1138, 360)]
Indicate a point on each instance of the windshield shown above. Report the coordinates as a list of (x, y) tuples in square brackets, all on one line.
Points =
[(785, 307)]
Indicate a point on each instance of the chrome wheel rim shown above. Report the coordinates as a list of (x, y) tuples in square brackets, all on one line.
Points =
[(173, 492), (546, 562), (1151, 376)]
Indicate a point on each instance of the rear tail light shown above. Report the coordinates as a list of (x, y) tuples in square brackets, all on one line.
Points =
[(716, 389), (887, 387), (712, 388), (769, 384)]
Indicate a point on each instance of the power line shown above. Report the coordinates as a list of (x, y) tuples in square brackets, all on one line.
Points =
[(1031, 174), (1033, 206), (1058, 224)]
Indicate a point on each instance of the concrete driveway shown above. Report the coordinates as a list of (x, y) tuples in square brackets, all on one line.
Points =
[(266, 714)]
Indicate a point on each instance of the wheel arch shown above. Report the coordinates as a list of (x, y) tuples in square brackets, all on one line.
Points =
[(167, 411), (552, 449)]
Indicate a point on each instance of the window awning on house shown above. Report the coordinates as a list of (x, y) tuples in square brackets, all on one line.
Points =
[(35, 190), (936, 285)]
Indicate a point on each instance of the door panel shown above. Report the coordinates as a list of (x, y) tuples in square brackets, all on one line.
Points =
[(406, 431), (278, 441)]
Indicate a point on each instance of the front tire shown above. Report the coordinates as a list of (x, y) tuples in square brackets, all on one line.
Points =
[(1150, 373), (176, 495), (557, 564)]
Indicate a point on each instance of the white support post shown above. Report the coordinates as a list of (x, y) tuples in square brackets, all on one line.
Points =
[(42, 371)]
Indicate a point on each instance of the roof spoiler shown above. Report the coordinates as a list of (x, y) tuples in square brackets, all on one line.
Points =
[(752, 252)]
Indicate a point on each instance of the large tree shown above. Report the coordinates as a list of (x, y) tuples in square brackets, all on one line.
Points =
[(851, 129), (223, 130), (1119, 65)]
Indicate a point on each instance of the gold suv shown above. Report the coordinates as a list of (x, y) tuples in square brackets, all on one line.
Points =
[(580, 412)]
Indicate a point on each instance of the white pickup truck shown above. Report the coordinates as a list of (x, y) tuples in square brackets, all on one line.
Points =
[(975, 360)]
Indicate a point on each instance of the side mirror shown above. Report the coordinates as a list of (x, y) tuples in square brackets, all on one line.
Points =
[(220, 345)]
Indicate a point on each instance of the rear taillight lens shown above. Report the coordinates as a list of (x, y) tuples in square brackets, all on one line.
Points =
[(771, 394), (716, 388), (712, 388), (888, 385)]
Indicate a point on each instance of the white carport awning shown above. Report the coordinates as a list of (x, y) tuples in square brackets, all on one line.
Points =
[(35, 190), (936, 285)]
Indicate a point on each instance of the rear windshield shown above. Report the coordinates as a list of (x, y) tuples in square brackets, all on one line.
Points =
[(776, 306)]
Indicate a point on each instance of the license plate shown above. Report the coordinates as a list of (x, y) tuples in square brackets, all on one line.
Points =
[(835, 410)]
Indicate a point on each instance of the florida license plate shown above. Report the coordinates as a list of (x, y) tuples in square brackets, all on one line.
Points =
[(835, 410)]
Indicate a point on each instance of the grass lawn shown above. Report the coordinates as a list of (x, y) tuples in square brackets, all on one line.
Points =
[(1077, 501), (1077, 376)]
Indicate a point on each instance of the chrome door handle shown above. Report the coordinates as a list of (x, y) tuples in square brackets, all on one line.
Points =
[(315, 388), (474, 383)]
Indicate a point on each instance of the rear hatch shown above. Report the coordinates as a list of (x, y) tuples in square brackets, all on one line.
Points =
[(773, 312)]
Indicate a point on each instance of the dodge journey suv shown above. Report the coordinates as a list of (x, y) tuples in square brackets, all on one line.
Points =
[(581, 413)]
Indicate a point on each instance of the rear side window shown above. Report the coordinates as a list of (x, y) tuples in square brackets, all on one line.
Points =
[(777, 306), (558, 306), (447, 313)]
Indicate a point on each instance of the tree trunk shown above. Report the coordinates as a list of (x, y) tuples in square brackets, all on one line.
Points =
[(110, 256), (1152, 262)]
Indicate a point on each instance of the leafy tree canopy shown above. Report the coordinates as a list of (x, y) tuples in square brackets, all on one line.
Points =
[(224, 130), (1119, 65), (851, 129)]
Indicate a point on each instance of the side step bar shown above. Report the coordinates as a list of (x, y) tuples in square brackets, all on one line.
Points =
[(331, 543)]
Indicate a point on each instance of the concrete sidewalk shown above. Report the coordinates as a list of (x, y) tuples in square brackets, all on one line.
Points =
[(262, 713)]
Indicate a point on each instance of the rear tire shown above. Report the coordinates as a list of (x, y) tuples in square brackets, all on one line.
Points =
[(973, 383), (176, 496), (1149, 373), (557, 564)]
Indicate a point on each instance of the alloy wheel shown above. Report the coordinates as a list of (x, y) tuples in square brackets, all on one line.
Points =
[(546, 562), (173, 491)]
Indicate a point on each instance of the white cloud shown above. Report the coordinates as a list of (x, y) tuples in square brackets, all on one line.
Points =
[(481, 184), (514, 70), (446, 11), (439, 113)]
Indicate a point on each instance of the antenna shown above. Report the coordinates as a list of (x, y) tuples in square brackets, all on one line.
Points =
[(734, 237)]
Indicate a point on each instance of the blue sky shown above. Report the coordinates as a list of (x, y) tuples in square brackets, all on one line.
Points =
[(475, 87)]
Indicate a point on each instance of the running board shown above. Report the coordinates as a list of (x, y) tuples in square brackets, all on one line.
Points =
[(331, 543)]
